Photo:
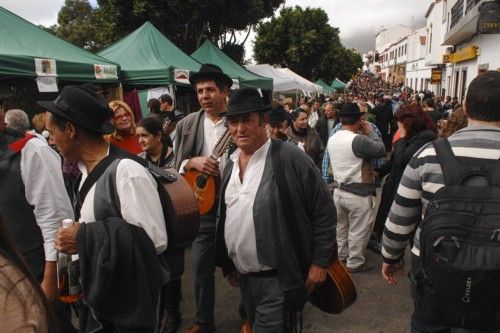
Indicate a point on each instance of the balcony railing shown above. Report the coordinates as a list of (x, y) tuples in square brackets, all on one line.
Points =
[(457, 12), (470, 4)]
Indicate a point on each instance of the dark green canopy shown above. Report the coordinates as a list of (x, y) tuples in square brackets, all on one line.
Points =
[(326, 87), (21, 42), (147, 57), (210, 53), (338, 85)]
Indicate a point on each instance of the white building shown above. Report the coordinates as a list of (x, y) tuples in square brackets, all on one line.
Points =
[(473, 35), (418, 73), (387, 36)]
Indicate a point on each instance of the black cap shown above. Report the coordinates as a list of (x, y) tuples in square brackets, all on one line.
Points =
[(210, 72), (82, 106), (246, 100), (277, 115)]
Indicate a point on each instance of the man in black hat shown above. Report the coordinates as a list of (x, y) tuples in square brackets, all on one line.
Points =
[(257, 247), (77, 121), (33, 200), (278, 123), (350, 150), (196, 136)]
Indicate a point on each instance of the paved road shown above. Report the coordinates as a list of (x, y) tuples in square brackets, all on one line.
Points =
[(379, 308)]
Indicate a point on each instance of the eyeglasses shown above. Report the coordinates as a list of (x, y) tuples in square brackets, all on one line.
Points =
[(122, 116)]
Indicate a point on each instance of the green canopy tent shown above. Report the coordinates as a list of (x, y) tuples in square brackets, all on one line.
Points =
[(338, 85), (27, 51), (326, 87), (148, 58), (210, 53)]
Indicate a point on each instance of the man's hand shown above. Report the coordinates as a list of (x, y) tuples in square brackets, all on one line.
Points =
[(234, 279), (204, 164), (66, 239), (315, 278), (49, 283), (390, 272), (365, 128)]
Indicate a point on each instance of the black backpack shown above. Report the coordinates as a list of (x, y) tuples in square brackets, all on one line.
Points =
[(460, 245)]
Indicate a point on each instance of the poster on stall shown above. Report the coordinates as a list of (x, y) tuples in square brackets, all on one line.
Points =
[(181, 76), (47, 84), (45, 67)]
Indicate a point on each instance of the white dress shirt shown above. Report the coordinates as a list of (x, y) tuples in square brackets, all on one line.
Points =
[(239, 232), (44, 189), (139, 201), (313, 119), (212, 132)]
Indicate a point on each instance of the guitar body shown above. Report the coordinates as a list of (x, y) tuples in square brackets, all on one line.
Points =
[(203, 189), (337, 293)]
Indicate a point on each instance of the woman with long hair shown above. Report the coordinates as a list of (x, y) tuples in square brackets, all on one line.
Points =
[(23, 306), (416, 129), (306, 138), (124, 136), (157, 147)]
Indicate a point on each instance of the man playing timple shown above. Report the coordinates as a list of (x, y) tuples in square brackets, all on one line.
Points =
[(197, 134), (254, 247)]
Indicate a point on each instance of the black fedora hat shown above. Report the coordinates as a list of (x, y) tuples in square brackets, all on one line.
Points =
[(246, 100), (83, 107), (210, 72), (350, 110), (277, 115)]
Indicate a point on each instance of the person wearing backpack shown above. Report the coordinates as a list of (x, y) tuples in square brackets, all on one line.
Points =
[(120, 226), (455, 185)]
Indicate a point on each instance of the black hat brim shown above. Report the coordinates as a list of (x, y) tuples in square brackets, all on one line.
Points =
[(232, 113), (106, 127), (207, 76)]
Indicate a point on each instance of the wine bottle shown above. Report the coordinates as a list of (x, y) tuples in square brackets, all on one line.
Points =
[(68, 274)]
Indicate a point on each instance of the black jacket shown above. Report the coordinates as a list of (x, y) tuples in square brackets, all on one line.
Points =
[(403, 151), (120, 277), (312, 205), (322, 129)]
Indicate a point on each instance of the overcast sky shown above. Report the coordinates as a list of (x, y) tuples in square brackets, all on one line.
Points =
[(357, 20)]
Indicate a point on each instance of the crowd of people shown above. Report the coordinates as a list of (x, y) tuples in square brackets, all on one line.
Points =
[(296, 189)]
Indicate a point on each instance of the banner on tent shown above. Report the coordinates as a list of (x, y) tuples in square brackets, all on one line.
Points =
[(157, 92), (181, 76), (45, 67), (236, 84), (47, 84), (103, 72)]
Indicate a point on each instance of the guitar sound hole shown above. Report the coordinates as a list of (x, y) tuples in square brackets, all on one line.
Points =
[(201, 182)]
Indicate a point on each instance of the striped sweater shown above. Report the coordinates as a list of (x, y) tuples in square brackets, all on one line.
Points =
[(421, 179)]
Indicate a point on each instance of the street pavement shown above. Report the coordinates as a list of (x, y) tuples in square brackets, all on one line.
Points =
[(379, 307)]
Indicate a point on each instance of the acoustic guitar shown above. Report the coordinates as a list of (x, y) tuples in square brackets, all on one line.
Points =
[(337, 293), (203, 185)]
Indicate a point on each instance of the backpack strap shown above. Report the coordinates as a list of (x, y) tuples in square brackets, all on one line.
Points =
[(456, 171)]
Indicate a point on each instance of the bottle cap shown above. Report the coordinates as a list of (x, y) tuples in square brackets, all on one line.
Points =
[(67, 223)]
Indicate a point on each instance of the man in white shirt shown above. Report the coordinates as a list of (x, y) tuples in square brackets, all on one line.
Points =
[(197, 134), (77, 121), (33, 201), (255, 246)]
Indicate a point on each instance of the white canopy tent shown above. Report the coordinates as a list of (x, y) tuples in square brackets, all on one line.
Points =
[(285, 81)]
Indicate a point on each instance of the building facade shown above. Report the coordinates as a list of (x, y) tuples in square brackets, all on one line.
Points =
[(473, 35)]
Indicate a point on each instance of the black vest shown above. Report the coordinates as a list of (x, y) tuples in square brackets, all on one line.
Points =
[(16, 211)]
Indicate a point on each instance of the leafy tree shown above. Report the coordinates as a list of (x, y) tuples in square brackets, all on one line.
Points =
[(302, 40), (74, 23), (187, 23)]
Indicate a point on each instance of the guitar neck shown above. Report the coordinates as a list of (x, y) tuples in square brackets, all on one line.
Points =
[(221, 145)]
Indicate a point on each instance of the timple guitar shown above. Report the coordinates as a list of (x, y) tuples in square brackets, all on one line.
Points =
[(203, 185), (337, 293)]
